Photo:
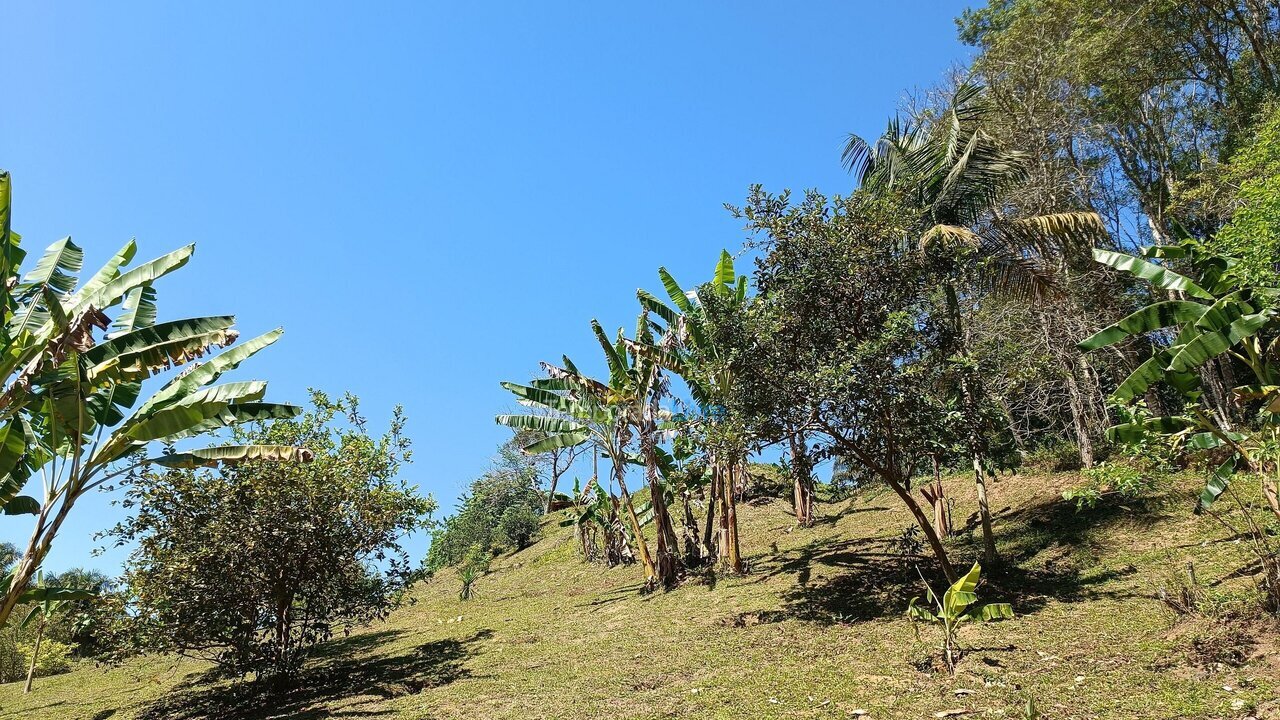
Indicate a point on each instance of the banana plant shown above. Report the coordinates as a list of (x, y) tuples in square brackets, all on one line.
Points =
[(1211, 316), (614, 415), (700, 363), (72, 411), (46, 601), (957, 606), (589, 411)]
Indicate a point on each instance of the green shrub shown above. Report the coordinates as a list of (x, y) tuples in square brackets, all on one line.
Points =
[(1123, 478), (518, 525), (1059, 456), (55, 657)]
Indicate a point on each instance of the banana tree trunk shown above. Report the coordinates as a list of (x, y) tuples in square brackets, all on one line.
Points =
[(937, 497), (709, 546), (35, 656), (802, 481), (668, 560), (730, 551), (619, 476)]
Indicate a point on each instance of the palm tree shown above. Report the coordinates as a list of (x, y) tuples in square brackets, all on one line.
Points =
[(959, 176), (67, 410), (46, 602)]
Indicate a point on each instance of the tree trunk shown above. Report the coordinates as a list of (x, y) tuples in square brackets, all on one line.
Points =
[(926, 527), (1079, 417), (802, 481), (984, 513), (709, 547), (692, 548), (35, 655), (937, 498), (969, 388), (668, 561), (37, 548), (730, 552), (619, 474)]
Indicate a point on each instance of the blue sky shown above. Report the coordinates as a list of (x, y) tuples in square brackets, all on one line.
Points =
[(431, 197)]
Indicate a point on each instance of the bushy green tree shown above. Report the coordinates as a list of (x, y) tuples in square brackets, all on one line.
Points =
[(844, 331), (251, 566), (501, 510)]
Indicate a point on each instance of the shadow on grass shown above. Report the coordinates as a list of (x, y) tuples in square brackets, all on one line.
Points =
[(868, 578), (341, 671)]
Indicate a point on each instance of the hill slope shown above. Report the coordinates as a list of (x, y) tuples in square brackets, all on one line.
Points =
[(815, 630)]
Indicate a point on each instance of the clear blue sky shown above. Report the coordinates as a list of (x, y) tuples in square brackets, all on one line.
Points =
[(431, 197)]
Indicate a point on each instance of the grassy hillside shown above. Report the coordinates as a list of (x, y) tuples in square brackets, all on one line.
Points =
[(815, 630)]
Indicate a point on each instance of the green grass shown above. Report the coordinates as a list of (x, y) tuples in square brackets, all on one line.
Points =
[(816, 629)]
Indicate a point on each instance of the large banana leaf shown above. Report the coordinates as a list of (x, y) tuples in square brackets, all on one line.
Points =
[(657, 307), (138, 354), (55, 594), (146, 273), (615, 357), (210, 370), (962, 593), (1217, 484), (540, 423), (555, 442), (138, 311), (725, 275), (1225, 311), (56, 269), (22, 505), (1152, 317), (545, 398), (171, 421), (675, 292), (1143, 377), (1157, 275), (106, 274), (11, 254), (214, 456), (1209, 345)]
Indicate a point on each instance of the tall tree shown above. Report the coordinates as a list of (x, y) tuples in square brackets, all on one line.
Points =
[(699, 360), (957, 174), (845, 330)]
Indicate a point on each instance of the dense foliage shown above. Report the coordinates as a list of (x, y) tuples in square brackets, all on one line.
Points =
[(253, 565), (501, 511)]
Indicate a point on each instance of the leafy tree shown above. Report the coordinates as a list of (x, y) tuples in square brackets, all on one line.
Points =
[(252, 566), (70, 411), (956, 174), (519, 525), (506, 491), (844, 332)]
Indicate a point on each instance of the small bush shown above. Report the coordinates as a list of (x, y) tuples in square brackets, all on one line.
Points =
[(55, 657), (1122, 478), (519, 525), (474, 566), (1057, 457)]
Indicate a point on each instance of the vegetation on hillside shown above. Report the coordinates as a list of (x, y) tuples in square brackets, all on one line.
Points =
[(1061, 257)]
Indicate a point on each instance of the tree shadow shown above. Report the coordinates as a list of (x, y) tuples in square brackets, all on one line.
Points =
[(869, 578), (340, 671)]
